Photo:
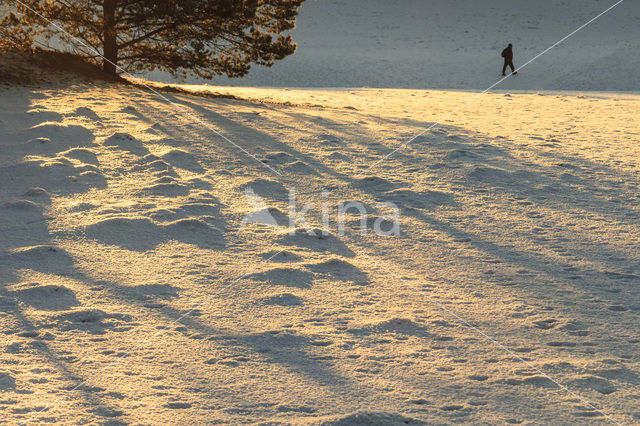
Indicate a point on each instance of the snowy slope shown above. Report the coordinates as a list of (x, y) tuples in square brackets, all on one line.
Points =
[(447, 44), (130, 292)]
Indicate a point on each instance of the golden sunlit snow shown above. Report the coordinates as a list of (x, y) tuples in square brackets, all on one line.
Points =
[(511, 293)]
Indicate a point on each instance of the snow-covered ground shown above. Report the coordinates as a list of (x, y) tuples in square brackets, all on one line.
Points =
[(445, 44), (510, 296)]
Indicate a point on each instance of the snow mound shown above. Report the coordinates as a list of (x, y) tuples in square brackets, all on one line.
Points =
[(374, 183), (126, 142), (40, 113), (165, 189), (37, 192), (300, 168), (38, 141), (194, 226), (156, 129), (39, 253), (53, 173), (94, 321), (46, 297), (165, 179), (266, 188), (336, 156), (288, 277), (597, 384), (7, 382), (153, 163), (280, 256), (62, 135), (372, 419), (142, 234), (84, 316), (397, 324), (85, 112), (134, 112), (162, 291), (460, 154), (200, 208), (278, 158), (270, 216), (182, 160), (82, 207), (128, 232), (82, 154), (329, 141), (22, 205), (340, 270), (284, 299), (316, 240)]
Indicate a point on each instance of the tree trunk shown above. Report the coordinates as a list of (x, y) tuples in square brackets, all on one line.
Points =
[(110, 48)]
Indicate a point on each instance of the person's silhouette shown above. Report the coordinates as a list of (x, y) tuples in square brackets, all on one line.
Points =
[(507, 54)]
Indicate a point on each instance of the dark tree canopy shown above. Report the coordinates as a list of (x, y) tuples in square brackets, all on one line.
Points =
[(201, 38)]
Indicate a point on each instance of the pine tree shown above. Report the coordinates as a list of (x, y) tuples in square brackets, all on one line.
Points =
[(183, 37)]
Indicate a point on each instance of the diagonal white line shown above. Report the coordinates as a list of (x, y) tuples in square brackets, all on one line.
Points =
[(181, 109), (439, 122), (147, 340), (485, 335)]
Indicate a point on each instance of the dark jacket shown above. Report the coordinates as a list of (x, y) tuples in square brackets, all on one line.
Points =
[(507, 54)]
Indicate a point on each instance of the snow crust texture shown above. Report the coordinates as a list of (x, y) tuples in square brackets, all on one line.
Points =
[(121, 213)]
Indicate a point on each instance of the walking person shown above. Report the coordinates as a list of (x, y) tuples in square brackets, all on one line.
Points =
[(507, 54)]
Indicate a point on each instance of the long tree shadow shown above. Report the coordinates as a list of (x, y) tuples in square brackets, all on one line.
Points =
[(32, 337), (478, 162), (475, 162), (290, 349), (485, 165), (59, 165), (471, 159), (26, 187)]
